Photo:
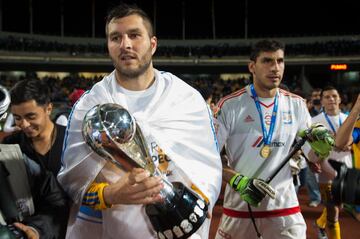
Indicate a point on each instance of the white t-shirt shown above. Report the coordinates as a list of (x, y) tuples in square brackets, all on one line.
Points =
[(62, 120)]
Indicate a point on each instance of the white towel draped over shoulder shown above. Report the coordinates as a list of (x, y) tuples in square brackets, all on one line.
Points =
[(177, 118)]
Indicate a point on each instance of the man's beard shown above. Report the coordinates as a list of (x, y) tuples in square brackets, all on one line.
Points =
[(134, 73)]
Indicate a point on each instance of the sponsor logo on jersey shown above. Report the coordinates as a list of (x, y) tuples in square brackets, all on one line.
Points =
[(259, 142), (287, 117), (248, 119), (267, 119), (160, 158)]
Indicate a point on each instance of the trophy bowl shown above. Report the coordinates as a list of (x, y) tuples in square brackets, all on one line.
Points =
[(110, 131), (113, 133)]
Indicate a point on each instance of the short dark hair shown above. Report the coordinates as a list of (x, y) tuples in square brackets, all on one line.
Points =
[(124, 10), (316, 90), (326, 88), (27, 90), (265, 45)]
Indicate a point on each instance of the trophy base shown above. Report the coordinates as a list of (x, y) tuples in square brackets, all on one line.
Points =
[(182, 218)]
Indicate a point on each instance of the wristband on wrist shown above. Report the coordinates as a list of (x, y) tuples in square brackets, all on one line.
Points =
[(94, 197), (234, 181)]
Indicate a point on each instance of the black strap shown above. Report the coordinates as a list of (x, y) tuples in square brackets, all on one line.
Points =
[(253, 222)]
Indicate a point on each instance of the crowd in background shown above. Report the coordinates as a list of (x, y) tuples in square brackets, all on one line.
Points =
[(210, 86), (328, 48)]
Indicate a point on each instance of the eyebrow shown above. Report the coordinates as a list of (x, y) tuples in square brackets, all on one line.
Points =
[(133, 30), (26, 115), (267, 58)]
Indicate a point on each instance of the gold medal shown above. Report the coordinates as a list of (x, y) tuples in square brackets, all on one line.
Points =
[(265, 151)]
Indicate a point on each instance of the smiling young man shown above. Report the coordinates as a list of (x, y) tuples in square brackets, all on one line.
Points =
[(39, 138), (36, 193), (169, 112), (257, 126)]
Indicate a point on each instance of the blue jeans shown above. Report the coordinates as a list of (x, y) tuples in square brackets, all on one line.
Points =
[(312, 184)]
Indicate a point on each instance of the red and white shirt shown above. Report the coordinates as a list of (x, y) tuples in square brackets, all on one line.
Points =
[(239, 130)]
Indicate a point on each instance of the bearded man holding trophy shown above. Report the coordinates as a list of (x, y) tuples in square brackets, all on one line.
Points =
[(140, 157)]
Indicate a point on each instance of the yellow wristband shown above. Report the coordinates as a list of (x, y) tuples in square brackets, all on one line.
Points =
[(103, 204), (94, 197)]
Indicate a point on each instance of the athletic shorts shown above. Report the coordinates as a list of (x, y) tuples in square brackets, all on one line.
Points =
[(292, 226)]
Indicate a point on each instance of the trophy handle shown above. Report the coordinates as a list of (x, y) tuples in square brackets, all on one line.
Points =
[(167, 193)]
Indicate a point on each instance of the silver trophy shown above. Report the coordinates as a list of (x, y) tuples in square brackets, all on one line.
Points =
[(112, 132)]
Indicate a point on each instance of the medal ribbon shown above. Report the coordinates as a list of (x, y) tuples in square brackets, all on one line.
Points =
[(329, 122), (267, 136)]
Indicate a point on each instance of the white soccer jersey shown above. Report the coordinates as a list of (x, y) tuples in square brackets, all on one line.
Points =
[(328, 172), (240, 130)]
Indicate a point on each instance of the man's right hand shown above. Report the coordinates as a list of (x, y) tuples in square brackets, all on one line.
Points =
[(251, 190), (320, 139), (136, 187), (30, 232)]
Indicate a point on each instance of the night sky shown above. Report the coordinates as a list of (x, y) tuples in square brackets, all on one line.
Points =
[(265, 18)]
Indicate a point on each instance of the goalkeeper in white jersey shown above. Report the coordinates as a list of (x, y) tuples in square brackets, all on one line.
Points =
[(257, 126)]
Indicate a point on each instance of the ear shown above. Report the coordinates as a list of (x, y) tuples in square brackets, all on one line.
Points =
[(251, 66), (153, 44), (49, 108)]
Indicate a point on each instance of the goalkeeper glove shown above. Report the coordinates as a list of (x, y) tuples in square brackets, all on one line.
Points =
[(251, 190), (320, 139)]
